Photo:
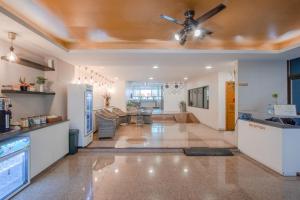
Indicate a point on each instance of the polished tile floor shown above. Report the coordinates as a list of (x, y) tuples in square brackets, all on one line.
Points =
[(167, 135), (166, 176)]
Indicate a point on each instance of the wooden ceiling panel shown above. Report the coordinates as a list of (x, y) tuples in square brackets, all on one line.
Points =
[(244, 24)]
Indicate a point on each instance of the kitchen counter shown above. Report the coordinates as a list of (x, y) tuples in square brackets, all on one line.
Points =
[(17, 132), (271, 123), (272, 144)]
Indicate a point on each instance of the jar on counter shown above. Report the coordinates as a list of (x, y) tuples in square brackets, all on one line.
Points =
[(37, 120), (30, 121), (24, 123), (43, 119)]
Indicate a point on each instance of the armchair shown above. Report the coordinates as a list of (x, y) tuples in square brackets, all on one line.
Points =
[(123, 117), (107, 124)]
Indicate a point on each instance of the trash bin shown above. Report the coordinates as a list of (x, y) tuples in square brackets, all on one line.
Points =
[(73, 141)]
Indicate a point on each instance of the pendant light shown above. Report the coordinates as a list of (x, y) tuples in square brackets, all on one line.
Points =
[(11, 56)]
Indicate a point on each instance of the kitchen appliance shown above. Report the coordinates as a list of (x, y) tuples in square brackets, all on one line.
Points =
[(80, 111), (5, 114), (14, 166)]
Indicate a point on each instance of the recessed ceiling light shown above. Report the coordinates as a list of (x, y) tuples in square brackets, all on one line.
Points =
[(155, 67), (151, 171), (150, 78), (185, 78), (208, 67)]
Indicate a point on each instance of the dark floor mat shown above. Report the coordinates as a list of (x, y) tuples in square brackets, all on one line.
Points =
[(204, 151)]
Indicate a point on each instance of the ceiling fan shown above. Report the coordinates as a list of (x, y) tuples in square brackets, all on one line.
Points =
[(192, 25)]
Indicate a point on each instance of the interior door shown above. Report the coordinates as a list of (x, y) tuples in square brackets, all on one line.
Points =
[(230, 106)]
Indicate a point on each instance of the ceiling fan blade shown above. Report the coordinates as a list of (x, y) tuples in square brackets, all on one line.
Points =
[(171, 19), (206, 31), (210, 13), (183, 40)]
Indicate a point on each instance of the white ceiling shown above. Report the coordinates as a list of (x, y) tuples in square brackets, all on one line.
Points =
[(26, 38), (167, 72), (136, 64)]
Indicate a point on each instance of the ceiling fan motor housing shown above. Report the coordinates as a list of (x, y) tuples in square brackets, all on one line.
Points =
[(189, 13)]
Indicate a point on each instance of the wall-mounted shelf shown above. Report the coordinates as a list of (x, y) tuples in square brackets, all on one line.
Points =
[(26, 92), (28, 63)]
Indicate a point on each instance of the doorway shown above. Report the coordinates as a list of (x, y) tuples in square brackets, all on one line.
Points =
[(230, 106)]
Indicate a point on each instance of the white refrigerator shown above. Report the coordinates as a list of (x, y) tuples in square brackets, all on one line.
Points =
[(80, 111)]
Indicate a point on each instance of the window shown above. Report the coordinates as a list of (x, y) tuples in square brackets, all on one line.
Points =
[(294, 83), (205, 97), (145, 92), (199, 97)]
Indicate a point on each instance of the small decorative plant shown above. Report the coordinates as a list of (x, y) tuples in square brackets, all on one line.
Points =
[(23, 84), (275, 97), (130, 104), (106, 98), (182, 106), (133, 104), (41, 81)]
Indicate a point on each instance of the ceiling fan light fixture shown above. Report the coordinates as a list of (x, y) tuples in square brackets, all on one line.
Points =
[(191, 24), (198, 33), (177, 36)]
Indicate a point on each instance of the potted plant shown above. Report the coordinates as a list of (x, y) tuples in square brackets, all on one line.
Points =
[(182, 106), (41, 82), (275, 97), (106, 98), (23, 84)]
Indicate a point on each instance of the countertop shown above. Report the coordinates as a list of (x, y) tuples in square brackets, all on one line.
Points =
[(273, 124), (17, 132)]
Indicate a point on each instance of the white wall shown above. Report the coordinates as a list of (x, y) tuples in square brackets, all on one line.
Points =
[(213, 117), (98, 101), (172, 97), (61, 77), (118, 96), (263, 79)]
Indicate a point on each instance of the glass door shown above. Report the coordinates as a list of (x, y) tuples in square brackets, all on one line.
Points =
[(89, 111), (13, 173)]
